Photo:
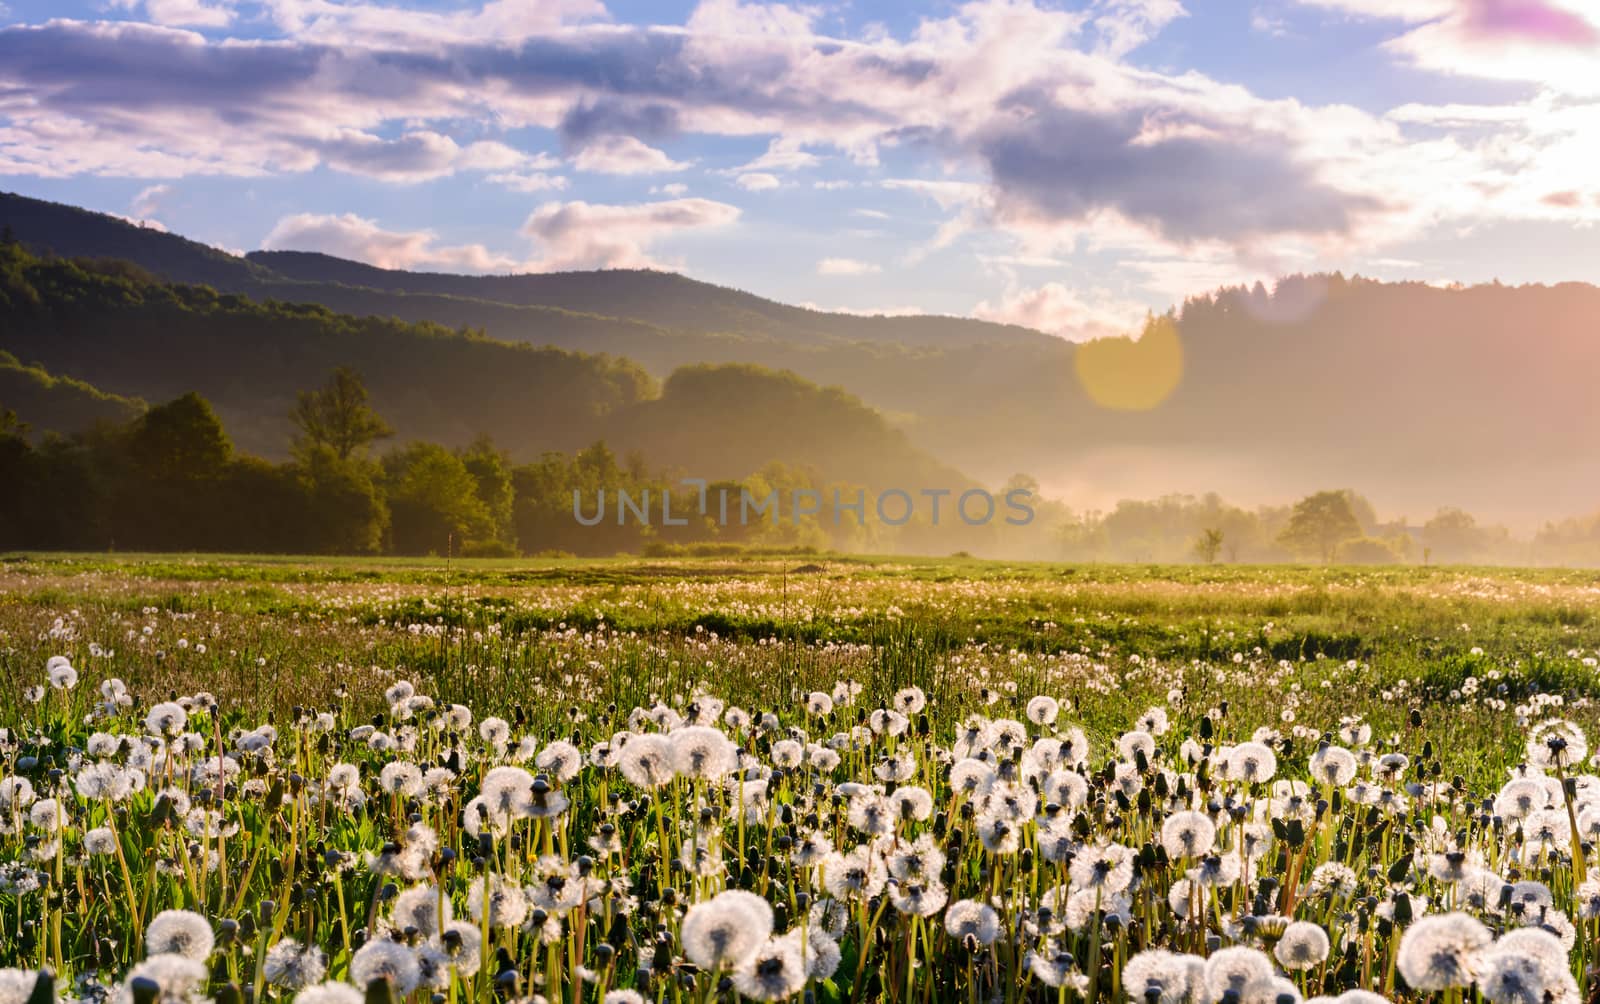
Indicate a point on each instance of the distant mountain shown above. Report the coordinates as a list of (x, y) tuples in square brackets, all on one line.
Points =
[(662, 299), (58, 404), (107, 323), (51, 227), (660, 320)]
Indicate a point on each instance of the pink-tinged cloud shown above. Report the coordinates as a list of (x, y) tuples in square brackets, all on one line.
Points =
[(147, 203), (1057, 310), (1529, 20), (847, 266), (582, 235), (352, 236), (624, 155), (1554, 44)]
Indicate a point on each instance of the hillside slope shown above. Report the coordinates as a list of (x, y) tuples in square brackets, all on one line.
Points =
[(105, 323), (663, 299), (48, 402)]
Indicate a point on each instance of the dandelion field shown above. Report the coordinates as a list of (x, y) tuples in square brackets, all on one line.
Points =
[(691, 781)]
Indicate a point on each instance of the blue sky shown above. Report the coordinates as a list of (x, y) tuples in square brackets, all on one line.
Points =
[(1067, 166)]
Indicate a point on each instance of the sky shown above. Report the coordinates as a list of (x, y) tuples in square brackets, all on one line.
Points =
[(1068, 166)]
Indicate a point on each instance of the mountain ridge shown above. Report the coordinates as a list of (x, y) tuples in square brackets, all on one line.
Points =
[(77, 232), (109, 326)]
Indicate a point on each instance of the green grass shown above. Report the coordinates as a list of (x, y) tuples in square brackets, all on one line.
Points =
[(1449, 666), (477, 630)]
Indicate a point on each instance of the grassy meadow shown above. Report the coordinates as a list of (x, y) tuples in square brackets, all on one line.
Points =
[(912, 779)]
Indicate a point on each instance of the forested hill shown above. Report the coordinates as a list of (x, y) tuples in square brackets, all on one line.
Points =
[(112, 325), (664, 299), (662, 302), (121, 331), (44, 402)]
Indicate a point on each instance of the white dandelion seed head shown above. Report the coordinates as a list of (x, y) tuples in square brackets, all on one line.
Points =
[(62, 675), (179, 932), (330, 993), (292, 965), (1440, 951), (423, 908), (178, 977), (723, 931), (1188, 834), (561, 760), (1333, 765), (970, 918), (703, 752), (382, 959), (166, 719), (646, 760), (1236, 968), (774, 971), (1043, 710), (1302, 946), (1252, 763)]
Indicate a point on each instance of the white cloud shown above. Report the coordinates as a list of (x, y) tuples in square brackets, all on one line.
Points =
[(183, 13), (420, 155), (351, 236), (1124, 25), (847, 266), (624, 155), (758, 181), (374, 24), (491, 155), (536, 181), (899, 310), (783, 154), (415, 156), (567, 235), (1264, 23), (1057, 310), (1394, 10), (1554, 44), (147, 203), (577, 235), (146, 222), (947, 194)]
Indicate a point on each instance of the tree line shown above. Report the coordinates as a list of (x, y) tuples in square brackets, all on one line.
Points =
[(172, 479), (1336, 526)]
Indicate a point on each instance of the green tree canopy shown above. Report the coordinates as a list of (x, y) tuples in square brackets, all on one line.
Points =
[(338, 416), (1209, 544), (181, 440), (1320, 523), (434, 501), (10, 425)]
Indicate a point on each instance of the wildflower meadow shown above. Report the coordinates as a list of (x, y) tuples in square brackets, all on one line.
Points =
[(845, 781)]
